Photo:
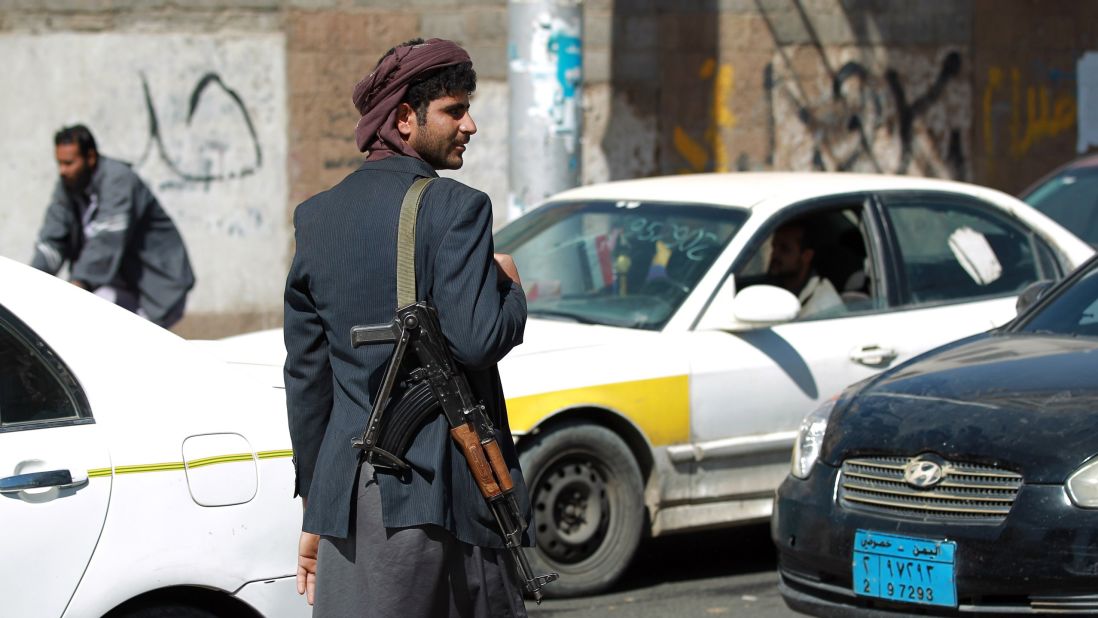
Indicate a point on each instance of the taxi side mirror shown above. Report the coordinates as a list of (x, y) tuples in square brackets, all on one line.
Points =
[(757, 306)]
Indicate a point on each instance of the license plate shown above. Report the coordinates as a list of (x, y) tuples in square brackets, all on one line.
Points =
[(902, 568)]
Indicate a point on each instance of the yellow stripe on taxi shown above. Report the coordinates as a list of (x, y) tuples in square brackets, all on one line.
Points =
[(660, 407), (178, 465)]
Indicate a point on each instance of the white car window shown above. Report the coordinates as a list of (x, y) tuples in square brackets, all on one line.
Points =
[(841, 260), (957, 252), (32, 385)]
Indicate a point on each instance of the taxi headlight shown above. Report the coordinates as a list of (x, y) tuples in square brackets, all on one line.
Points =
[(810, 439), (1082, 485)]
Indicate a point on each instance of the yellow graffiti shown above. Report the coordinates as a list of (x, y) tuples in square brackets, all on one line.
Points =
[(694, 153), (721, 119), (994, 80), (1037, 119)]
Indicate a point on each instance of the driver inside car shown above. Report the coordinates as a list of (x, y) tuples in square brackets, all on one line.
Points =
[(792, 252)]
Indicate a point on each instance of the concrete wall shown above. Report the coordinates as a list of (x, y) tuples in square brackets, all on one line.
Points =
[(978, 90), (1026, 87)]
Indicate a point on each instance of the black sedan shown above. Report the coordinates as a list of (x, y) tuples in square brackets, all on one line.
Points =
[(964, 481)]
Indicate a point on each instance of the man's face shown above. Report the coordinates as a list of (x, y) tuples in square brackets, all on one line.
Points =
[(788, 259), (441, 141), (75, 168)]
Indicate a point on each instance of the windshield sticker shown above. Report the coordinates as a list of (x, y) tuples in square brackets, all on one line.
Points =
[(693, 242)]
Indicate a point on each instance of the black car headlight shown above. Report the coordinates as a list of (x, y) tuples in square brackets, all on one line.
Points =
[(1082, 485), (810, 437)]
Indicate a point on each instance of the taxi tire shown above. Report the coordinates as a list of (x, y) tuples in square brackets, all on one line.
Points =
[(587, 458), (171, 610)]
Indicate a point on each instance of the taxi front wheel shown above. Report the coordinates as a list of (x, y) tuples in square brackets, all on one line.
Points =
[(587, 497), (164, 610)]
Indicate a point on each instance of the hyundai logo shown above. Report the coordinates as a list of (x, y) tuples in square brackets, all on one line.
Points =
[(923, 473)]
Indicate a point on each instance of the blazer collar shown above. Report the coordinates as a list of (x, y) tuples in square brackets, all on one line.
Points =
[(403, 164)]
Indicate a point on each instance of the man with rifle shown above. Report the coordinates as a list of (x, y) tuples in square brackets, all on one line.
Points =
[(422, 532)]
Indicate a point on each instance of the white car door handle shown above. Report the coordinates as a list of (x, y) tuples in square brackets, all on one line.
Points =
[(41, 480), (873, 355)]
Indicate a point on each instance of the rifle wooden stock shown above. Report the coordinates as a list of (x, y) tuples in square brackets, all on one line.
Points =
[(438, 385), (467, 440), (499, 466)]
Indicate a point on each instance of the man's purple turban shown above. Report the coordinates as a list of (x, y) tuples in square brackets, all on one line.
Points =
[(379, 94)]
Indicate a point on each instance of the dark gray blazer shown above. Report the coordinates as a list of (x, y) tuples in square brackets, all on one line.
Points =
[(131, 242), (344, 274)]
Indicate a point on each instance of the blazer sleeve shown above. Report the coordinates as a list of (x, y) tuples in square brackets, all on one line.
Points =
[(52, 249), (308, 374), (109, 231), (481, 319)]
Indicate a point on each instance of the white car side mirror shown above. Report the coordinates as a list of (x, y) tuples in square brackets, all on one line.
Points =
[(756, 306), (763, 305)]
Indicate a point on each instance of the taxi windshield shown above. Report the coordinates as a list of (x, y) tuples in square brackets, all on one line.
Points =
[(617, 263)]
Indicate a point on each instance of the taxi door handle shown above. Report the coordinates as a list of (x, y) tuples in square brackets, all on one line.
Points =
[(872, 355), (40, 480)]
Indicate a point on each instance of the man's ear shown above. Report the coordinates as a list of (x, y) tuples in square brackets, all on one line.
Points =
[(406, 118), (92, 158)]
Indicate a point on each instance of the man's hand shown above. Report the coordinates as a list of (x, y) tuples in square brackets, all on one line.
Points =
[(306, 565), (507, 270), (80, 284)]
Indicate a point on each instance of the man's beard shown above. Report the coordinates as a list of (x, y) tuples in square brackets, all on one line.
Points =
[(80, 183), (436, 152)]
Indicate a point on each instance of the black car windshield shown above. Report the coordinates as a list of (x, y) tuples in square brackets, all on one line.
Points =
[(1070, 199), (1074, 311), (618, 263)]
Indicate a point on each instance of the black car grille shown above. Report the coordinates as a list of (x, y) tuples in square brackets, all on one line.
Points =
[(966, 491)]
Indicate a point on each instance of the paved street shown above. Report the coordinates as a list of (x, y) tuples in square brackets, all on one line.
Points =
[(718, 573)]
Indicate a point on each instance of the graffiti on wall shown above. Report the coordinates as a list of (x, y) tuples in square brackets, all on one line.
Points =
[(908, 117), (1020, 113), (712, 148), (215, 163)]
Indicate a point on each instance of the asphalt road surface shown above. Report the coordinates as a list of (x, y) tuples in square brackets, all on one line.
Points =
[(718, 573)]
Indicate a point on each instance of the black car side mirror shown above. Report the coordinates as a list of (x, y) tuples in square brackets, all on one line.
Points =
[(1031, 294)]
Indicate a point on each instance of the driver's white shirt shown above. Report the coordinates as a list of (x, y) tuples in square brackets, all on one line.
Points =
[(818, 295)]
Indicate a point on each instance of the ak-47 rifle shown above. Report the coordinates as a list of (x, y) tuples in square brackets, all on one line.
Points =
[(436, 381)]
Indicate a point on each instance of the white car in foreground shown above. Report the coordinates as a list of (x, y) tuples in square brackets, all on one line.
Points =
[(140, 474), (662, 378)]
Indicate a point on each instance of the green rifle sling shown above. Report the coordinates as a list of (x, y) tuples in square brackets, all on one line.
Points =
[(411, 411), (406, 243)]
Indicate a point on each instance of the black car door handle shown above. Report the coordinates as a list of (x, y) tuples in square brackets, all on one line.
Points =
[(39, 480)]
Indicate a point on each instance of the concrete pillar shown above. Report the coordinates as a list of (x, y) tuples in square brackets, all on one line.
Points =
[(545, 71)]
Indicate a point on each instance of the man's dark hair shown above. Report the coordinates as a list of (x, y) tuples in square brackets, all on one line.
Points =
[(76, 134), (446, 81), (809, 237)]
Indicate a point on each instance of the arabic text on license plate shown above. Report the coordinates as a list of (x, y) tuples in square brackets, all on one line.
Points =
[(902, 568)]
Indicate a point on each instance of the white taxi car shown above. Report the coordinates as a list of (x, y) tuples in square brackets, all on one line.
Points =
[(663, 374), (140, 474)]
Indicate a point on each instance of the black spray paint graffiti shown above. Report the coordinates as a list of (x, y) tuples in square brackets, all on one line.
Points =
[(951, 67), (877, 111), (866, 117), (191, 176)]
